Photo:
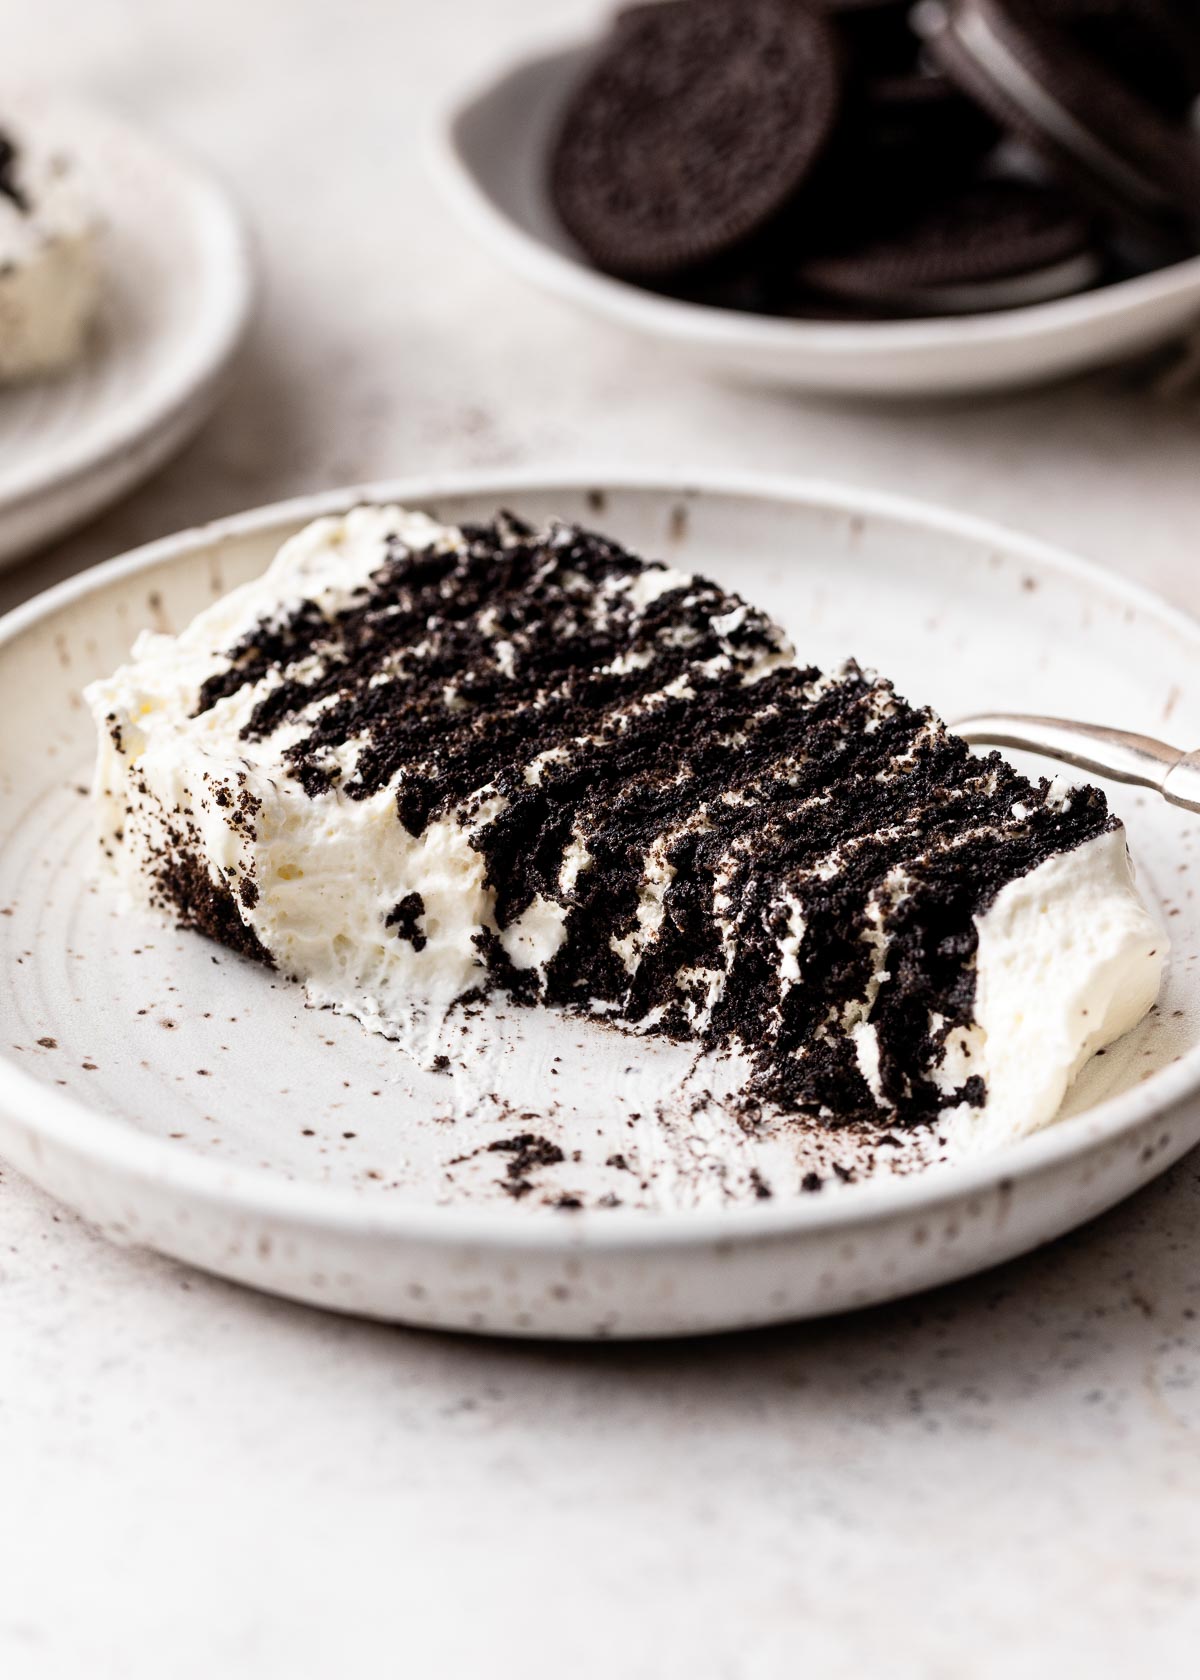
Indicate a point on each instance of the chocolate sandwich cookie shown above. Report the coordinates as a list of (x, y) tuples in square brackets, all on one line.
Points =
[(698, 121), (1025, 63), (993, 244)]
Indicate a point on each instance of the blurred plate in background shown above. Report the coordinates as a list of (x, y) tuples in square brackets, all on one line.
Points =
[(177, 289)]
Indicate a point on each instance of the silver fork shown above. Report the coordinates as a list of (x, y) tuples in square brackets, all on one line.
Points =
[(1115, 753)]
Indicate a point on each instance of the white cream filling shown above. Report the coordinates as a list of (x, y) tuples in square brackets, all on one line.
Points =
[(1069, 959), (657, 876), (789, 945), (533, 938), (866, 1054), (644, 588)]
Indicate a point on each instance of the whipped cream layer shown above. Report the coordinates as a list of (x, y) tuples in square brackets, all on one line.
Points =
[(411, 761), (48, 265)]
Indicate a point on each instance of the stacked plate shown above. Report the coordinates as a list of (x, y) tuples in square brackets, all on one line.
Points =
[(175, 296)]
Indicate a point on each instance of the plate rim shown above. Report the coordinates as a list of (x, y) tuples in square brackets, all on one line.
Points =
[(107, 1143), (704, 325), (200, 372)]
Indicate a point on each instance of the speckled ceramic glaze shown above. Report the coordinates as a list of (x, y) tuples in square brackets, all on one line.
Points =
[(189, 1102), (489, 154), (176, 291)]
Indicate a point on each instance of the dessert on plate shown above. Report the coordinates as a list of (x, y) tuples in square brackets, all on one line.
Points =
[(415, 763), (48, 270)]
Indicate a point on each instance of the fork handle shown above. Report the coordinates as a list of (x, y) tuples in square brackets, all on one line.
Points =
[(1116, 753)]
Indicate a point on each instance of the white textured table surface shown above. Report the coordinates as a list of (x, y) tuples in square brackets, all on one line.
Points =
[(1000, 1478)]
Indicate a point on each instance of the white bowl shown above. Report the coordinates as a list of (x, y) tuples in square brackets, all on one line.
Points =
[(291, 1150), (489, 154), (177, 291)]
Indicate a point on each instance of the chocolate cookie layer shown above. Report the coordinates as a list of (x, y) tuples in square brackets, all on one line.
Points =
[(696, 123)]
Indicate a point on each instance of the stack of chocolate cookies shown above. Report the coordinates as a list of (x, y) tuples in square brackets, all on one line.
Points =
[(872, 158)]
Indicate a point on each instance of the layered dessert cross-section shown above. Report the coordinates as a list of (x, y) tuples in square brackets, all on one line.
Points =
[(413, 763)]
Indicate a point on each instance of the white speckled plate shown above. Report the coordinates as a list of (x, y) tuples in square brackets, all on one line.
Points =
[(190, 1102), (489, 150), (177, 289)]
